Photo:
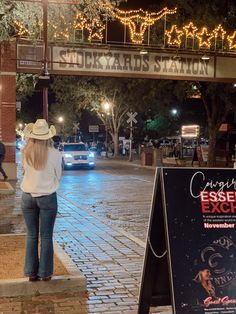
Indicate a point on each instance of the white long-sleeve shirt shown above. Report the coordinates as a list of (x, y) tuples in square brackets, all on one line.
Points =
[(46, 181)]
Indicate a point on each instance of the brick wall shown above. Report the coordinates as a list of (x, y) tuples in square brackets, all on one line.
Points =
[(8, 98)]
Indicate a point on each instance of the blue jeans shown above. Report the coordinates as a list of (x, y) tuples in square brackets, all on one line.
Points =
[(39, 214), (1, 168)]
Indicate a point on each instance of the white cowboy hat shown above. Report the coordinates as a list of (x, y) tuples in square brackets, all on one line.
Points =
[(39, 130)]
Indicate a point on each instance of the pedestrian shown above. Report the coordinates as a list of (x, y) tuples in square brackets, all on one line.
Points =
[(42, 166), (2, 157)]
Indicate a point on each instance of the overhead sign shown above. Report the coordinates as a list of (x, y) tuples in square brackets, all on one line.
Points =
[(31, 57), (130, 62), (126, 63), (132, 116), (93, 128), (195, 211)]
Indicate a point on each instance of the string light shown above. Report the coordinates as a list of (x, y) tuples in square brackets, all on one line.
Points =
[(95, 29), (190, 30), (219, 32), (174, 36), (232, 41), (204, 38), (58, 33), (138, 21), (22, 30), (80, 22)]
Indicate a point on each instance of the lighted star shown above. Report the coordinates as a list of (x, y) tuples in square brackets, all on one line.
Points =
[(95, 29), (204, 38), (219, 32), (232, 41), (190, 30), (80, 22), (174, 36)]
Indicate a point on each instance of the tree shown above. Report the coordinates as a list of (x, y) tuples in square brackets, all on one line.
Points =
[(149, 98), (218, 99), (91, 93), (25, 19), (6, 18)]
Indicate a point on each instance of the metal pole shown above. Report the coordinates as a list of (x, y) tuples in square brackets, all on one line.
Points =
[(106, 137), (45, 57), (131, 139)]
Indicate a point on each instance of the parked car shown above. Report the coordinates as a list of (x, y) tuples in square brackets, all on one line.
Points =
[(76, 155)]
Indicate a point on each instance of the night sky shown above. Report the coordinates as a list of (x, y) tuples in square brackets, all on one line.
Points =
[(136, 4)]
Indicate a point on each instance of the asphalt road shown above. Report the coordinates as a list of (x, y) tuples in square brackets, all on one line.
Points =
[(117, 192)]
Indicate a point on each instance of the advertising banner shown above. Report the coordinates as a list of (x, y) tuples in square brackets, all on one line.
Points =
[(200, 223)]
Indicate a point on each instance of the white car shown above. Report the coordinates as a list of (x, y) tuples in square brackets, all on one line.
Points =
[(76, 154)]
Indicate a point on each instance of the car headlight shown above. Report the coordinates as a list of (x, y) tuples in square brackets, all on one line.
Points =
[(91, 155), (68, 155)]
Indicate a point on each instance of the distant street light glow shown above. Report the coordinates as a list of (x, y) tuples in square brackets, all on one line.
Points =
[(174, 112), (106, 106), (60, 119)]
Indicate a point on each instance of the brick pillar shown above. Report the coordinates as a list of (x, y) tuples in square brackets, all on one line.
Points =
[(8, 104)]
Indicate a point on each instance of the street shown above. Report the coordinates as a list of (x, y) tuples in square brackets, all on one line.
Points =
[(117, 192), (101, 224)]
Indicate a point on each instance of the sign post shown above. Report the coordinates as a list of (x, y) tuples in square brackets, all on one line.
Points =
[(76, 130), (93, 129), (191, 243), (131, 120)]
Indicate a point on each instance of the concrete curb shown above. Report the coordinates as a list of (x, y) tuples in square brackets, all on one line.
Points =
[(6, 188), (74, 282)]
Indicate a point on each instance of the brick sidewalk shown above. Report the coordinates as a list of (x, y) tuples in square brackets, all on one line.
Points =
[(109, 258)]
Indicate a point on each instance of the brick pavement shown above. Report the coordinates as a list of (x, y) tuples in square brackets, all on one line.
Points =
[(109, 258)]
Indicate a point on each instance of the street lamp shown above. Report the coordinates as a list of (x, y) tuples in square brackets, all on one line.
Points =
[(174, 112), (106, 106), (61, 120)]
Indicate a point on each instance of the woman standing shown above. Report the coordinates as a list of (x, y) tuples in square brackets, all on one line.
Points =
[(42, 166)]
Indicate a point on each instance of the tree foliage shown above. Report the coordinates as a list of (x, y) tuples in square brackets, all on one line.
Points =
[(29, 15), (24, 86), (218, 99)]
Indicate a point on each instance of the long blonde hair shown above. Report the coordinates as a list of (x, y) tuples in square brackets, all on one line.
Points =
[(35, 153)]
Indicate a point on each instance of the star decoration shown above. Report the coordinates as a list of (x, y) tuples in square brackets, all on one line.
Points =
[(190, 30), (204, 38), (219, 32), (80, 21), (95, 29), (232, 41), (174, 36)]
